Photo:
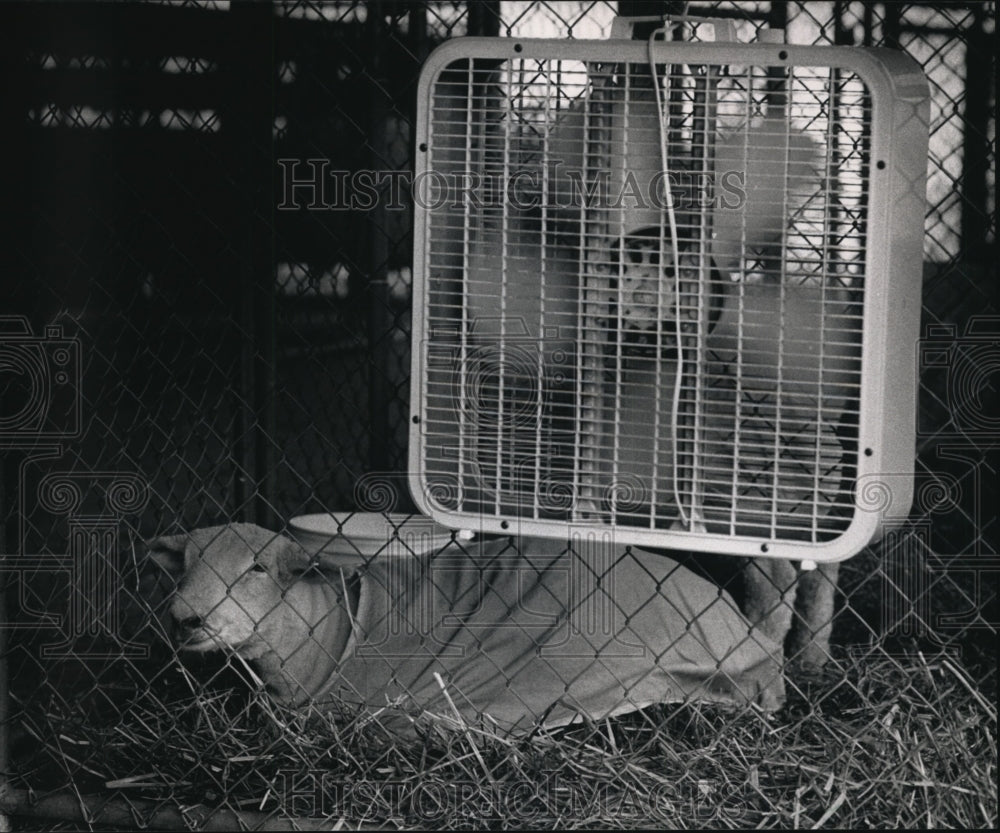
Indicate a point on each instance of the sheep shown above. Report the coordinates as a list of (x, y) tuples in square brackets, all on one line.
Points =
[(545, 638), (793, 607)]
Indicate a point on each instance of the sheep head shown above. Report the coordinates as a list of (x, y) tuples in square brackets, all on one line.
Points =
[(231, 585)]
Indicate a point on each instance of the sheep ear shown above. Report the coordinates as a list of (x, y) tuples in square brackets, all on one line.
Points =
[(292, 559), (168, 552)]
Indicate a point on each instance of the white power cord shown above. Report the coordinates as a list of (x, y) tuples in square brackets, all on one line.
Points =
[(686, 518)]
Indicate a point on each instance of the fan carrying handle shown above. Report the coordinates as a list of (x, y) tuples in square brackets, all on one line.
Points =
[(623, 27)]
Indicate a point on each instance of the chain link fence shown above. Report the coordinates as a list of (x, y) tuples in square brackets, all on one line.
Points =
[(201, 328)]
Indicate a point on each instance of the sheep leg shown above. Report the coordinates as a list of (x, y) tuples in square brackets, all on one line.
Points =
[(770, 596), (810, 643)]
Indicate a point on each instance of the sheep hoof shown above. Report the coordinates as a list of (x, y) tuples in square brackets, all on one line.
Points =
[(813, 660)]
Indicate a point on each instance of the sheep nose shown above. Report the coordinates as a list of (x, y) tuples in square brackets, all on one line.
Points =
[(190, 624)]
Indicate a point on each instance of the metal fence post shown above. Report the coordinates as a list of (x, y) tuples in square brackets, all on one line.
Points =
[(379, 321), (248, 129), (975, 142), (4, 680)]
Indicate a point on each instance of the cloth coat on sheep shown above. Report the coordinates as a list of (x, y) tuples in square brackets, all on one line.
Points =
[(539, 633)]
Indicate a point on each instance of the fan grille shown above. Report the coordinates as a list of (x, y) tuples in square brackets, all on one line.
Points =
[(592, 355)]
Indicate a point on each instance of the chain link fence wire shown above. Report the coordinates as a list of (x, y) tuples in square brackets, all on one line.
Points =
[(207, 320)]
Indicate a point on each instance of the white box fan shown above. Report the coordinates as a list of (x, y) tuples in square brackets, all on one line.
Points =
[(669, 291)]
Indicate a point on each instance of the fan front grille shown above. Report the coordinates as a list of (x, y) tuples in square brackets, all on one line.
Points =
[(644, 313)]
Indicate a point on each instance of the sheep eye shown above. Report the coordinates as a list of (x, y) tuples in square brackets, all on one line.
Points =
[(258, 568)]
